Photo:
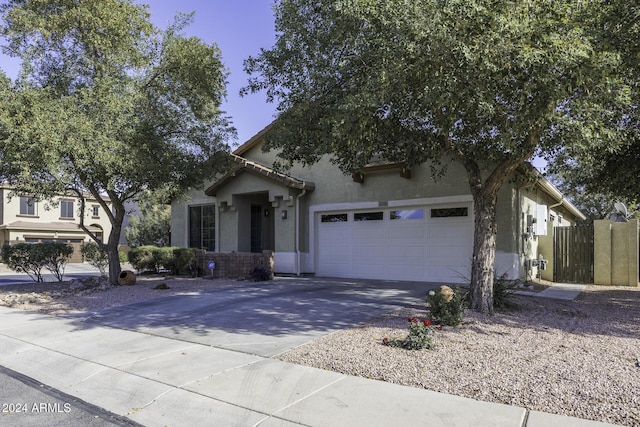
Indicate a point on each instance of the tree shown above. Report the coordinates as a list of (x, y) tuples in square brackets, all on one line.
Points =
[(594, 205), (485, 83), (96, 255), (611, 170), (108, 104), (152, 226)]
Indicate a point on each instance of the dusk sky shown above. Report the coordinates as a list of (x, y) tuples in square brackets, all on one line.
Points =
[(239, 28)]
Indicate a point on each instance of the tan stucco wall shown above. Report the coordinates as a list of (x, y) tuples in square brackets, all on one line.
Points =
[(516, 203), (235, 200), (180, 213), (615, 253)]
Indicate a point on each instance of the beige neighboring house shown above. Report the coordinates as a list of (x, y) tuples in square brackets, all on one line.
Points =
[(24, 219)]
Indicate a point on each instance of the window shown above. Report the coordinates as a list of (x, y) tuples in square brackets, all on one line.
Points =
[(66, 209), (95, 211), (449, 212), (27, 206), (202, 227), (334, 218), (408, 214), (367, 216)]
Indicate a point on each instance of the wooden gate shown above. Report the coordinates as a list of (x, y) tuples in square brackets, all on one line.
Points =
[(573, 254)]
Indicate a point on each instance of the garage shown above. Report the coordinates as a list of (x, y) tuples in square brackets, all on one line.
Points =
[(426, 243)]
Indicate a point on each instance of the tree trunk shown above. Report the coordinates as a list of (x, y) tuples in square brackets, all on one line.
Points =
[(112, 252), (114, 238), (484, 252)]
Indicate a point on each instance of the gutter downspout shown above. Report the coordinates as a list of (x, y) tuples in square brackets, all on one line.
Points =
[(520, 239), (557, 204), (297, 232)]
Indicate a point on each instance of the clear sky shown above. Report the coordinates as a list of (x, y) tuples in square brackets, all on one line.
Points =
[(239, 28)]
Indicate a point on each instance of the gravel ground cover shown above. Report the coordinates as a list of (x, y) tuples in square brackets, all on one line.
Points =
[(579, 358)]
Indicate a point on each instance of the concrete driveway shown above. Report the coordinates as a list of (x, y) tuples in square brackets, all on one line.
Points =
[(263, 318)]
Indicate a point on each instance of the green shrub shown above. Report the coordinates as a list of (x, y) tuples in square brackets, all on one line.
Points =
[(163, 257), (96, 255), (141, 258), (420, 336), (19, 257), (184, 260), (31, 258), (446, 305), (503, 290), (122, 256), (55, 256)]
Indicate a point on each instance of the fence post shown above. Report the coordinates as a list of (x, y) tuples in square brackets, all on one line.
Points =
[(632, 254)]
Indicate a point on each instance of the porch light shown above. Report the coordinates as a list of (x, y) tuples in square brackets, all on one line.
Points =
[(284, 214)]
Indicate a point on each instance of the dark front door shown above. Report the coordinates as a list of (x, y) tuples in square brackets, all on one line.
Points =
[(256, 228)]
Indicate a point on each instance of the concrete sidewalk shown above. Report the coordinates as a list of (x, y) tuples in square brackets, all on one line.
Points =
[(563, 291), (160, 381)]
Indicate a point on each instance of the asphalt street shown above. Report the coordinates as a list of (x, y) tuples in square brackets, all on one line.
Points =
[(72, 271), (25, 402)]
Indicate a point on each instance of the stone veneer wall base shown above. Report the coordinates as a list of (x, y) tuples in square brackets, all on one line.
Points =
[(235, 265)]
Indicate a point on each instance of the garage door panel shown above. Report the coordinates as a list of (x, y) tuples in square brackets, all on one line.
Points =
[(404, 272), (333, 232), (446, 252), (369, 233), (368, 270), (408, 232), (366, 252), (424, 249), (407, 253), (447, 232)]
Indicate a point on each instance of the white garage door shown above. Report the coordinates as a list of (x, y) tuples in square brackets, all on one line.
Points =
[(426, 244)]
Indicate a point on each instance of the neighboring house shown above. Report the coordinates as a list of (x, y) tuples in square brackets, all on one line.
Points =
[(24, 219), (385, 221)]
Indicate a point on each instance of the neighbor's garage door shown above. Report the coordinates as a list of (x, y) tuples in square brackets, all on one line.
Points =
[(426, 244)]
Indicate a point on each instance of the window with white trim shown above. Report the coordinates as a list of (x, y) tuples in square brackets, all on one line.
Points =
[(340, 217), (66, 209), (407, 214), (449, 212), (202, 227), (27, 206), (368, 216)]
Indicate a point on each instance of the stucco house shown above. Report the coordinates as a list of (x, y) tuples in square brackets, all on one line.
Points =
[(25, 219), (385, 221)]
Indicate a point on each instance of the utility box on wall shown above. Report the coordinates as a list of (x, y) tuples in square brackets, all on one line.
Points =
[(540, 224)]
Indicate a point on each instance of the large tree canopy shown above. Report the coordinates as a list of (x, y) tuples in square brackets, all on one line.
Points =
[(487, 83), (108, 104), (614, 169)]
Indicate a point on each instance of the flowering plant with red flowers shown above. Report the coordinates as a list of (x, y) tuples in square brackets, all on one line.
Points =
[(420, 336)]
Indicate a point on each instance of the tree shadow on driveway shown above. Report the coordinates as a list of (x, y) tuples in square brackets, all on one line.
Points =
[(284, 307)]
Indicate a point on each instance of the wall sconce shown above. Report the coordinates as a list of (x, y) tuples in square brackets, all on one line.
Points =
[(284, 214), (266, 212)]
